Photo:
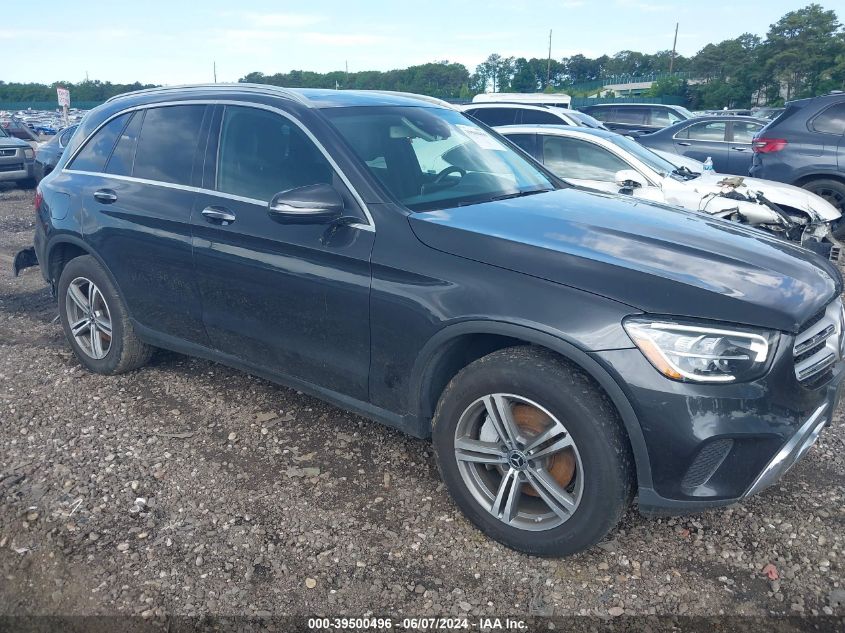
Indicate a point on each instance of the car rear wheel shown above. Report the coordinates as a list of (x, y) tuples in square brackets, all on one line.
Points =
[(834, 192), (95, 320), (532, 452)]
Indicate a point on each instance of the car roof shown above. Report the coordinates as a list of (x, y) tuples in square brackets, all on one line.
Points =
[(487, 105), (559, 130), (309, 97)]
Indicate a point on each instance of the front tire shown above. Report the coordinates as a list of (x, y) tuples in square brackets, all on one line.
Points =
[(532, 452), (95, 320), (834, 192)]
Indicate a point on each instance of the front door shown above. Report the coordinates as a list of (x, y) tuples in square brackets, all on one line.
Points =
[(290, 298)]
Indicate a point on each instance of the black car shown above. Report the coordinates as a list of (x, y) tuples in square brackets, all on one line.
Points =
[(49, 153), (634, 119), (564, 349), (725, 139), (805, 146)]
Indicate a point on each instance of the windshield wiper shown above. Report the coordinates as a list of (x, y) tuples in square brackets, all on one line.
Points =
[(686, 172), (519, 194)]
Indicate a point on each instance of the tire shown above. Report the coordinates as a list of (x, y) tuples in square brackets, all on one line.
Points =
[(118, 353), (834, 192), (597, 473)]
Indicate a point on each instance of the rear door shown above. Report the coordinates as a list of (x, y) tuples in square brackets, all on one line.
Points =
[(290, 298), (741, 133), (703, 140), (138, 172)]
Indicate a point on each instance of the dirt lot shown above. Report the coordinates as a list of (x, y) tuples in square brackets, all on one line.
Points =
[(260, 500)]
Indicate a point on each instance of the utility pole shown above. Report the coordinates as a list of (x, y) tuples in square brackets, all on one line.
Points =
[(549, 62), (215, 71), (674, 47)]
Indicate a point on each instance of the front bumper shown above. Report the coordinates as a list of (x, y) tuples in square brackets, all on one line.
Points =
[(16, 171), (712, 445)]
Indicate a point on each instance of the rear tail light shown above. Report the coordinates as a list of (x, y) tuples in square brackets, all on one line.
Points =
[(39, 197), (768, 145)]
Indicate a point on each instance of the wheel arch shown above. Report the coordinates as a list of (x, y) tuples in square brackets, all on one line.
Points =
[(808, 178), (64, 248), (455, 346)]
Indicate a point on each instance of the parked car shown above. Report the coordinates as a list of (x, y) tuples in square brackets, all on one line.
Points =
[(562, 348), (556, 99), (20, 130), (634, 119), (494, 114), (770, 114), (48, 154), (805, 146), (726, 139), (16, 160), (615, 163)]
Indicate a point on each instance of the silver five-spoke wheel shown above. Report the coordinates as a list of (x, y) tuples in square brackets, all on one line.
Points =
[(519, 462), (89, 318)]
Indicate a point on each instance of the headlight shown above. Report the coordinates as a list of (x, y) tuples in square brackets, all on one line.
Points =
[(29, 153), (702, 353)]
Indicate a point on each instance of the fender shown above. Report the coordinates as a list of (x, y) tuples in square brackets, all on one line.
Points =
[(422, 373)]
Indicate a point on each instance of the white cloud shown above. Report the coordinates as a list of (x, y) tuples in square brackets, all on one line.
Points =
[(281, 20)]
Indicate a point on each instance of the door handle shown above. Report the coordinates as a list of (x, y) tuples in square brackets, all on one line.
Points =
[(684, 144), (218, 215), (740, 149), (106, 196)]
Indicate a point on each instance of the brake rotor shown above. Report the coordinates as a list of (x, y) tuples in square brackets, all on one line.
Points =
[(532, 422)]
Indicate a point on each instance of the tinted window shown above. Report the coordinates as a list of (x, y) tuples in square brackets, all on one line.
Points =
[(540, 117), (744, 131), (710, 131), (601, 114), (632, 116), (495, 116), (580, 160), (96, 152), (664, 117), (64, 139), (166, 147), (528, 142), (123, 155), (831, 121), (262, 154)]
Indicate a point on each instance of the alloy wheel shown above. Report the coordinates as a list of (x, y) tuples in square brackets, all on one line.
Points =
[(519, 462), (89, 318)]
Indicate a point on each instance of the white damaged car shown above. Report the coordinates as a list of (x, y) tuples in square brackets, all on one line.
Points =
[(610, 162)]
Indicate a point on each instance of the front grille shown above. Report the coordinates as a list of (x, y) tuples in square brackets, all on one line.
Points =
[(706, 463), (817, 346), (12, 167), (8, 152)]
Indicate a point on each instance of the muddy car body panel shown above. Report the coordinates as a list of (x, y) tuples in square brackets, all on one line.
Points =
[(378, 312)]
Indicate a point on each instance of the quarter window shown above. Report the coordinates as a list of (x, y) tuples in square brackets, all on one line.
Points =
[(262, 154), (96, 152), (580, 160), (831, 121), (123, 155), (167, 144)]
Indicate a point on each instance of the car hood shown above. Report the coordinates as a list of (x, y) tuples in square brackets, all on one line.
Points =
[(659, 260), (779, 193), (13, 142)]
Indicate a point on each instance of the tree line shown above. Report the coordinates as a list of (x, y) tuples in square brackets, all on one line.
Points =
[(802, 54)]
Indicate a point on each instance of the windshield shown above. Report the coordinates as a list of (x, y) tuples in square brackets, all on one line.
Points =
[(645, 155), (587, 120), (434, 158), (682, 110)]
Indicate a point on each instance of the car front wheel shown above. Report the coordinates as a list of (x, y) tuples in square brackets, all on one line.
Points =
[(532, 452)]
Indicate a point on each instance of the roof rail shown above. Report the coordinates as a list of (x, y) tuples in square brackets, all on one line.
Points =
[(264, 88)]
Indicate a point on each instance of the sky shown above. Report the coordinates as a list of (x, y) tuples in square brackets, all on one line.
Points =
[(178, 42)]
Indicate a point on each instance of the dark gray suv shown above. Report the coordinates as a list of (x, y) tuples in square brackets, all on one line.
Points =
[(805, 146), (564, 350)]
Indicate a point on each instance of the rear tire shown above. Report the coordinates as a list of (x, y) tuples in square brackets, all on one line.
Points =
[(534, 499), (95, 320)]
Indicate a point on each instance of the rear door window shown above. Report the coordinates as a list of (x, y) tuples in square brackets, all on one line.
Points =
[(630, 116), (93, 156), (744, 131), (527, 142), (167, 143), (831, 121), (495, 116), (601, 114), (710, 131)]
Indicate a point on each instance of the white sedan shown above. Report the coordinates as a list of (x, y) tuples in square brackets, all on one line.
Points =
[(610, 162)]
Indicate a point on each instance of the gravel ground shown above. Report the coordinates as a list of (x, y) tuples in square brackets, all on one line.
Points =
[(189, 488)]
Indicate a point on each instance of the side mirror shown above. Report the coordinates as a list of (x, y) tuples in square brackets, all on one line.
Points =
[(313, 204), (629, 179)]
